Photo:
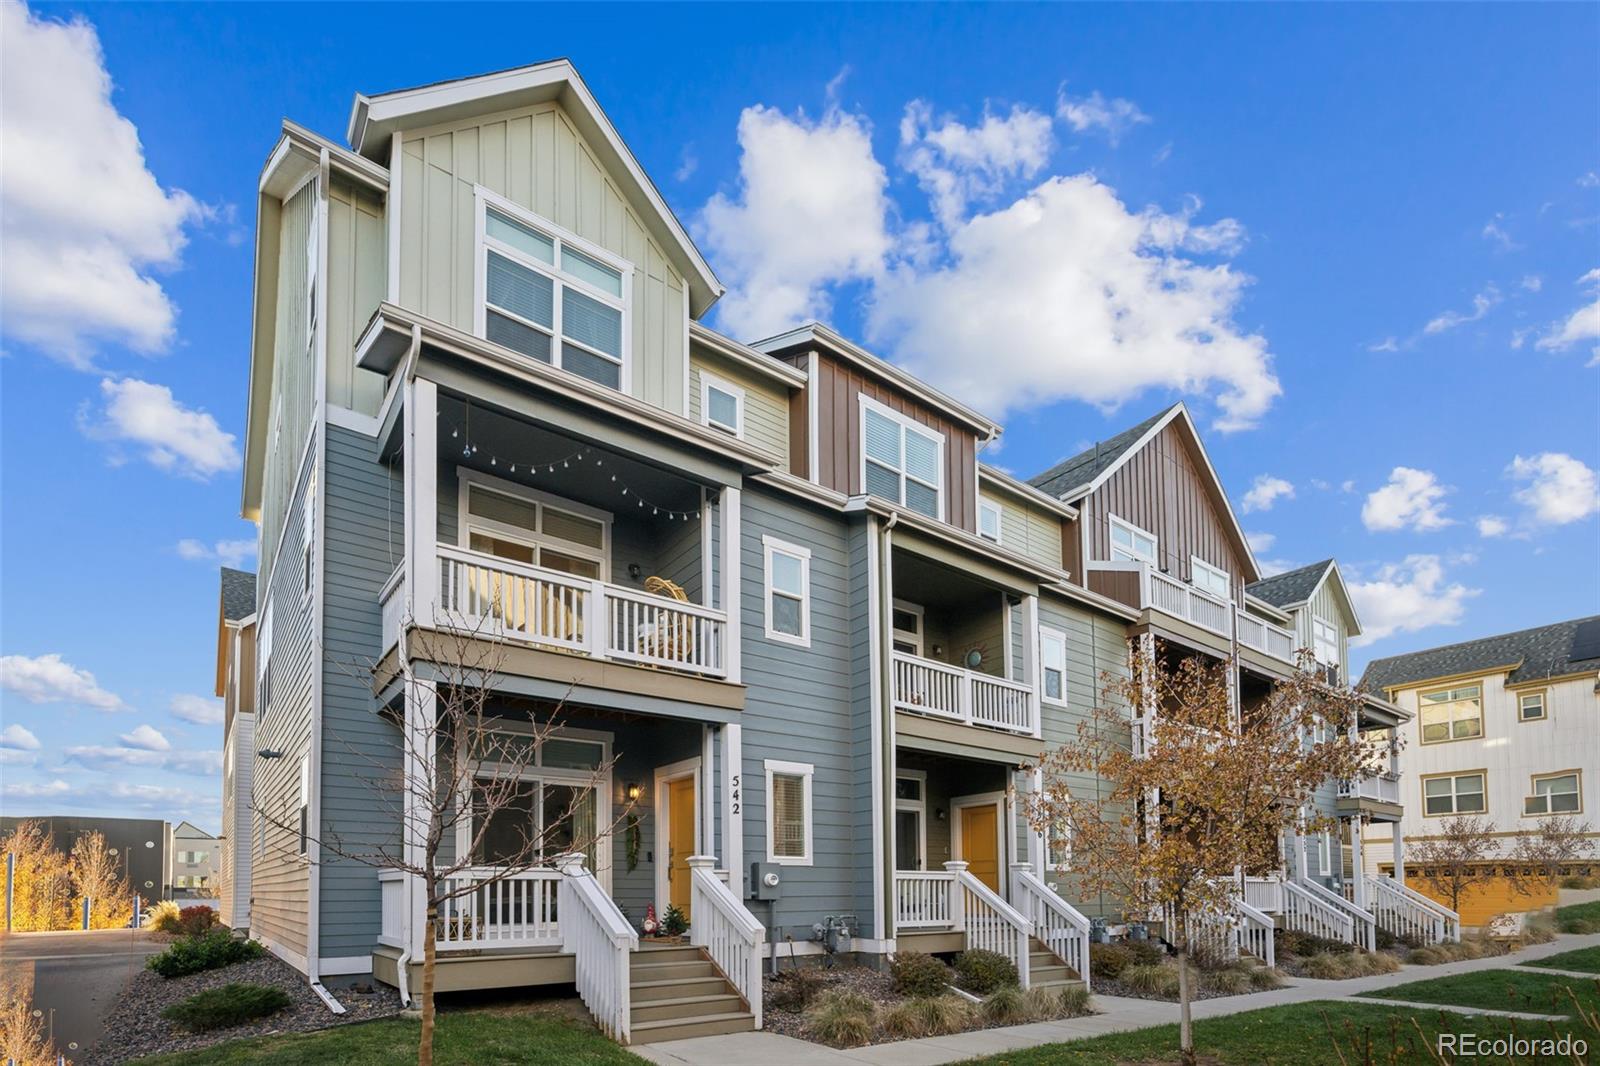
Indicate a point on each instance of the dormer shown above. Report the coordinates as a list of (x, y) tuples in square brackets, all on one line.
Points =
[(1318, 602), (865, 427)]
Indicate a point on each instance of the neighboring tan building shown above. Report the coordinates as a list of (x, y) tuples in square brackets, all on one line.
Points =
[(236, 684), (1505, 727), (192, 863)]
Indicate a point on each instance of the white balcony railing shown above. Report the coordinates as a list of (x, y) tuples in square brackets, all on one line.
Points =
[(922, 899), (516, 911), (1384, 787), (1263, 636), (392, 606), (1171, 596), (923, 686), (485, 594), (1265, 894)]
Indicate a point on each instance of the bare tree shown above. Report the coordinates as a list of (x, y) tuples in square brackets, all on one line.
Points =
[(1459, 857), (1201, 791), (1544, 856), (460, 793)]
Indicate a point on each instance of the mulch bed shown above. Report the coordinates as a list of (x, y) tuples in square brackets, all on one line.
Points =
[(135, 1027)]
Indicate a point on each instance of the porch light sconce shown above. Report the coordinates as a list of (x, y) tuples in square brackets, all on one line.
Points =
[(632, 791), (634, 571), (268, 753), (938, 814), (937, 649)]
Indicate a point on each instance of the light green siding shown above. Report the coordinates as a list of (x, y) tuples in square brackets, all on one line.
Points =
[(1026, 530), (766, 406), (534, 158), (1326, 605), (293, 362), (357, 274)]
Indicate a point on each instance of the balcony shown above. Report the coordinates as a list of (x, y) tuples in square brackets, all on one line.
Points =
[(925, 686), (1261, 635), (1383, 787), (1143, 587)]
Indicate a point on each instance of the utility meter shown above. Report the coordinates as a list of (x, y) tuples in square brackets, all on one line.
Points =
[(766, 880)]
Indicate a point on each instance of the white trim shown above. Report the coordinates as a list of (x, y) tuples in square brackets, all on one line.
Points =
[(709, 381), (813, 445), (1134, 533), (1047, 636), (661, 829), (920, 806), (287, 954), (999, 525), (344, 965), (806, 771), (391, 206), (880, 723), (467, 522), (354, 421), (907, 425), (732, 598), (771, 546), (1324, 853), (733, 804), (917, 639)]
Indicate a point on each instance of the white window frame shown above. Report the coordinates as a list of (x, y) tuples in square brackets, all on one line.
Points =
[(1577, 790), (1455, 793), (907, 425), (1061, 798), (1198, 566), (1319, 639), (467, 523), (806, 771), (264, 664), (709, 381), (1450, 723), (1134, 532), (1049, 635), (771, 546), (906, 636), (1324, 853), (484, 199), (1544, 706), (989, 507), (920, 807), (308, 530), (303, 833)]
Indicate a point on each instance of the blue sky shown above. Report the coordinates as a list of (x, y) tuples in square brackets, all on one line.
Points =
[(1359, 241)]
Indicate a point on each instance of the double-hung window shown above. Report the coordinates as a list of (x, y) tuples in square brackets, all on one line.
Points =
[(1325, 641), (1058, 833), (1530, 707), (264, 659), (1210, 579), (1130, 544), (901, 460), (1052, 665), (788, 591), (1555, 794), (1452, 714), (721, 404), (989, 520), (1450, 794), (788, 812), (551, 296)]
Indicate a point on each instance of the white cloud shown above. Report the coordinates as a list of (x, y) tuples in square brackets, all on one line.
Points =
[(1532, 282), (811, 211), (1412, 499), (1560, 489), (1406, 597), (1083, 113), (1260, 542), (231, 553), (1388, 344), (1068, 294), (1347, 486), (146, 738), (688, 163), (1493, 231), (104, 757), (51, 679), (1582, 325), (117, 796), (175, 438), (35, 790), (86, 226), (1589, 180), (1265, 491), (18, 738), (1492, 525), (199, 710), (958, 164), (1449, 320)]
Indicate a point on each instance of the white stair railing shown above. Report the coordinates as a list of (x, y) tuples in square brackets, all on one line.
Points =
[(1255, 932), (1264, 893), (1063, 929), (1306, 913), (988, 922), (601, 942), (1406, 913), (1364, 925), (922, 899), (1213, 937), (729, 933)]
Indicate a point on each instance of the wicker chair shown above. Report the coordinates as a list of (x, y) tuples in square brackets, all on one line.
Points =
[(672, 640)]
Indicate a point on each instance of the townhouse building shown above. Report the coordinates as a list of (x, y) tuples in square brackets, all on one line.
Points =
[(1505, 728), (236, 686), (772, 587)]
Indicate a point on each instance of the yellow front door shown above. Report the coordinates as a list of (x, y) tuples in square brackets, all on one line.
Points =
[(980, 842), (680, 840)]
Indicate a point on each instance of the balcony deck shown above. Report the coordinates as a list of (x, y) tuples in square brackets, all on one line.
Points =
[(1219, 622), (927, 687)]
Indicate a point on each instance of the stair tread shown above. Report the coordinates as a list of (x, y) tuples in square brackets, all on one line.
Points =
[(683, 1001), (665, 1023), (666, 981)]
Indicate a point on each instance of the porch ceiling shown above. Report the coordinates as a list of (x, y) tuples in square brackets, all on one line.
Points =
[(930, 583)]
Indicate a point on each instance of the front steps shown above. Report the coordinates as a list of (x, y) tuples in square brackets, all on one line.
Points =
[(1046, 969), (677, 993)]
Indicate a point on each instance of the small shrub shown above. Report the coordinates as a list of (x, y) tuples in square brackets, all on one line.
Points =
[(163, 917), (1373, 963), (793, 990), (1075, 1002), (1006, 1005), (208, 951), (1580, 926), (195, 920), (927, 1016), (1146, 952), (1158, 980), (673, 921), (981, 972), (1432, 955), (1540, 929), (1108, 960), (1228, 981), (1263, 979), (916, 974), (841, 1018), (232, 1004), (1329, 966), (903, 1021), (1304, 944), (1580, 881)]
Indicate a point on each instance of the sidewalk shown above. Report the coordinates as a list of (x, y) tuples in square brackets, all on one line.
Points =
[(1117, 1015)]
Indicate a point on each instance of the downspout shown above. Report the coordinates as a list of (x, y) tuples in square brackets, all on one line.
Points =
[(885, 698)]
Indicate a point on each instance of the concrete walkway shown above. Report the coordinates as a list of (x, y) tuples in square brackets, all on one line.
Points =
[(1117, 1015)]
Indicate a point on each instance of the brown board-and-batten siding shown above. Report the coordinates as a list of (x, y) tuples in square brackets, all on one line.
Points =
[(1164, 489), (840, 386)]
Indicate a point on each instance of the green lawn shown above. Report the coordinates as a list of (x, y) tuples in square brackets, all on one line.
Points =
[(1520, 990), (464, 1038), (1579, 918), (1584, 960), (1297, 1034)]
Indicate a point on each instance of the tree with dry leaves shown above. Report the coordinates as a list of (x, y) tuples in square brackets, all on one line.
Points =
[(42, 885), (98, 875), (458, 788), (1458, 857), (23, 1040), (1197, 791), (1543, 856)]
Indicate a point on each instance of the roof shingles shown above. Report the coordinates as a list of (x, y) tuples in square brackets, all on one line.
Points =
[(1531, 653), (1290, 587), (1090, 463), (238, 594)]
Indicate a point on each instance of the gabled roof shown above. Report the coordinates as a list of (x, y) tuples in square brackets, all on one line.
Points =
[(1557, 650), (238, 594), (1291, 588), (375, 119)]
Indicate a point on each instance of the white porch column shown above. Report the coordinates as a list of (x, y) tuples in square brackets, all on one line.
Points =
[(733, 805), (1358, 871), (1030, 659), (732, 541), (708, 797), (1036, 842), (421, 714), (421, 413), (1399, 854)]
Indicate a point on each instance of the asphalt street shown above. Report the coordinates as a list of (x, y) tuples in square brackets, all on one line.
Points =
[(74, 977)]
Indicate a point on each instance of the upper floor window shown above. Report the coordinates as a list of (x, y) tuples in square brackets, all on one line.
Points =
[(264, 659), (907, 618), (1325, 641), (901, 459), (1452, 714), (989, 520), (552, 296), (1555, 794), (721, 404), (1453, 794), (1530, 706), (1052, 665), (1131, 544), (1208, 578), (788, 591), (531, 527)]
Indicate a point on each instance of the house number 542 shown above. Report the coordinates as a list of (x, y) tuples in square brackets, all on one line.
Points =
[(733, 796)]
